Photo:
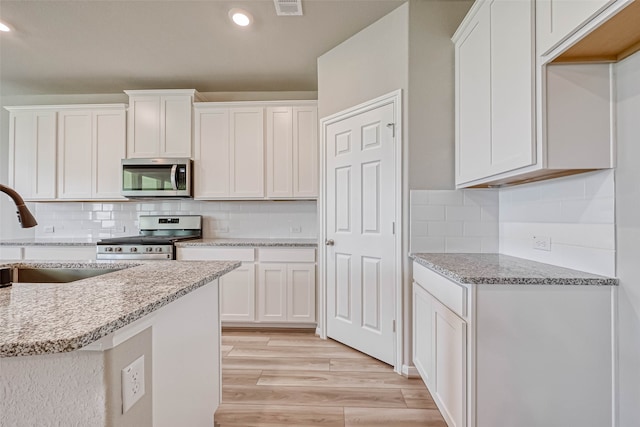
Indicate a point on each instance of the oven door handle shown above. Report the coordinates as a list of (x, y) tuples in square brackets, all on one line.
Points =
[(174, 183)]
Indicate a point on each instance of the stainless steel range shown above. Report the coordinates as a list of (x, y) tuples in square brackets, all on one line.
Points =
[(156, 241)]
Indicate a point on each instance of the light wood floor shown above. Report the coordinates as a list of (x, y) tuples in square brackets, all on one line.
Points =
[(297, 379)]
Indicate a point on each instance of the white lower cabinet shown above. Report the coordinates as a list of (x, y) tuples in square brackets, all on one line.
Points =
[(515, 355), (439, 354), (286, 292), (237, 294), (283, 292)]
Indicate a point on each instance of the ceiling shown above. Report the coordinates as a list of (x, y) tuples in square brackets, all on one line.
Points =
[(92, 46)]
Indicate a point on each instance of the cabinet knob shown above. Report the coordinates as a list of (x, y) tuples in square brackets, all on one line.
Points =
[(329, 242)]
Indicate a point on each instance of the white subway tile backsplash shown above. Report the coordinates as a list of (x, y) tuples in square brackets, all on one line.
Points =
[(445, 197), (428, 213), (454, 221), (224, 219), (463, 213), (443, 228), (576, 213)]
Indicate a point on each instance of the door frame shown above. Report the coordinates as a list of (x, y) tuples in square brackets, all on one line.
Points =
[(394, 98)]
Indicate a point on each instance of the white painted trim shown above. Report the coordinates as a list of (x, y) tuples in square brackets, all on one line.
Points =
[(410, 371), (116, 338), (394, 98), (119, 106), (615, 400), (226, 104), (275, 325)]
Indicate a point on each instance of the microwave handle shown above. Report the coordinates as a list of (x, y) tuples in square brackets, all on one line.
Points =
[(174, 183)]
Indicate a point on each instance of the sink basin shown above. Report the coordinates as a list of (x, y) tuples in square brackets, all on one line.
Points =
[(52, 275)]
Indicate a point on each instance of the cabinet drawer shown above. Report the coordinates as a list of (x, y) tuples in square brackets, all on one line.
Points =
[(449, 293), (287, 255), (216, 254)]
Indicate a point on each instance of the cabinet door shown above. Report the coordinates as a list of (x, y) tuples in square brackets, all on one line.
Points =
[(32, 154), (473, 99), (450, 364), (237, 294), (279, 152), (305, 152), (512, 85), (272, 292), (247, 151), (558, 19), (109, 135), (423, 345), (75, 154), (175, 126), (58, 253), (211, 154), (143, 127), (301, 292)]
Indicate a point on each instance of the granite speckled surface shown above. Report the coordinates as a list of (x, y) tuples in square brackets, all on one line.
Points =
[(497, 269), (49, 242), (305, 243), (40, 318)]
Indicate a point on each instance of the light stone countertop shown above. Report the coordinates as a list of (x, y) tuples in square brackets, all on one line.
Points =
[(35, 241), (498, 269), (41, 318), (247, 242)]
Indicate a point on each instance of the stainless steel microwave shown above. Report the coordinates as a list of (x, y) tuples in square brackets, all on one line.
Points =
[(162, 177)]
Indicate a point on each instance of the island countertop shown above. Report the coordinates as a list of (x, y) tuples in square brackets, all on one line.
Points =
[(41, 318), (498, 269)]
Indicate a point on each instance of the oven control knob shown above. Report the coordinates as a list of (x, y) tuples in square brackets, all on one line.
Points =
[(158, 249), (118, 249), (148, 249), (108, 249), (133, 249)]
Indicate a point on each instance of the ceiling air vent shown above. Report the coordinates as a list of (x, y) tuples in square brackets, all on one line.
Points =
[(288, 7)]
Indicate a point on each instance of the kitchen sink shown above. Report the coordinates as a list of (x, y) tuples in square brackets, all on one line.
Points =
[(50, 274)]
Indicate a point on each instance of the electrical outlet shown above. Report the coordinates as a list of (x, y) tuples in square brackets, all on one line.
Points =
[(296, 229), (49, 229), (542, 243), (132, 383)]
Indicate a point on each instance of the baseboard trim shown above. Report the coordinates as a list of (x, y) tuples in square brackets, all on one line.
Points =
[(280, 327), (410, 371)]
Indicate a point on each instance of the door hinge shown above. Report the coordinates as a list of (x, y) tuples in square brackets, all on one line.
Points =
[(393, 227), (394, 326), (393, 129)]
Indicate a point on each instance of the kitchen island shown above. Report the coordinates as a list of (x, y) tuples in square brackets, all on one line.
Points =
[(63, 346)]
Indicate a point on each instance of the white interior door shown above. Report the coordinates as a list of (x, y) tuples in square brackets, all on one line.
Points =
[(360, 215)]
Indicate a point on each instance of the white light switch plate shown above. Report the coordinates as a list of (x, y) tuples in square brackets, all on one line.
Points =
[(132, 383)]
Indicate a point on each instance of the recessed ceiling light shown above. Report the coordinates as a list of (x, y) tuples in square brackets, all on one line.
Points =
[(240, 17), (4, 27)]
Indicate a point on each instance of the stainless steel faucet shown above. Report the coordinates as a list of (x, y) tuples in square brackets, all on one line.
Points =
[(25, 218)]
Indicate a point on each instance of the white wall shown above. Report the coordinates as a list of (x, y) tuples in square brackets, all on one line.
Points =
[(628, 239), (236, 219), (576, 212)]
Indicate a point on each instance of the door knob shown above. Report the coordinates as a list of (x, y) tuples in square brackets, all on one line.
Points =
[(329, 242)]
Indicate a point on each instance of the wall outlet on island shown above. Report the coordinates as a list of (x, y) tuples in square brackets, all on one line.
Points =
[(132, 383), (542, 243)]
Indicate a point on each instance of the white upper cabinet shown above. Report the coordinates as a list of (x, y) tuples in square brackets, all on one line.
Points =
[(229, 152), (232, 161), (160, 123), (292, 151), (517, 121), (32, 152), (558, 19), (495, 90), (91, 143), (246, 136)]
